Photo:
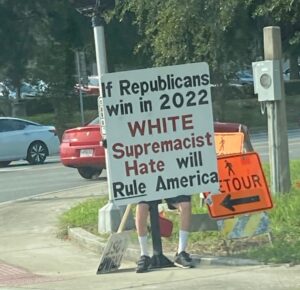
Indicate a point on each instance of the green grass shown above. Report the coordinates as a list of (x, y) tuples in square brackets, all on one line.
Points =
[(84, 215), (284, 227)]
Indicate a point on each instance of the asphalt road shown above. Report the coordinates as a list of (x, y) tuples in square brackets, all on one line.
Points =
[(20, 180), (260, 144)]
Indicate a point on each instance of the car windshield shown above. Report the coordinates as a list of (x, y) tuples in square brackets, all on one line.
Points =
[(93, 81)]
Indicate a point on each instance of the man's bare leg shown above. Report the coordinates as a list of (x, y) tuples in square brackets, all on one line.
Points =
[(142, 212)]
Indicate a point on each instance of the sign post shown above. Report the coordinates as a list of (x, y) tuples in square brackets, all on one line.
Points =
[(81, 74)]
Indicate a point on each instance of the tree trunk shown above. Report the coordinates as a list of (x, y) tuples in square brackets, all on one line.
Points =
[(18, 109)]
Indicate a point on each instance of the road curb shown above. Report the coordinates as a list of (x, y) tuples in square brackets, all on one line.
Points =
[(97, 244)]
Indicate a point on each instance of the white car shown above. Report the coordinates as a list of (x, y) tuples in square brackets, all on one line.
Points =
[(22, 139)]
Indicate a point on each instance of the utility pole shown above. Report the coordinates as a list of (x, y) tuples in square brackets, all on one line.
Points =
[(109, 215), (277, 123), (81, 74)]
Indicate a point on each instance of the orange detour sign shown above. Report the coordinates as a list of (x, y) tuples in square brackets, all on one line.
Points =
[(243, 187), (229, 143)]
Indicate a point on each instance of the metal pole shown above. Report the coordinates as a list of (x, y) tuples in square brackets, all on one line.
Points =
[(100, 48), (98, 26), (277, 124), (109, 213), (158, 260), (98, 23), (80, 83)]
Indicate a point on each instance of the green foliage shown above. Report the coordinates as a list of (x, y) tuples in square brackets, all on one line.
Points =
[(285, 230), (284, 225), (44, 119), (42, 39), (75, 121), (285, 14), (295, 173), (279, 252), (18, 29), (221, 33), (187, 31), (38, 43)]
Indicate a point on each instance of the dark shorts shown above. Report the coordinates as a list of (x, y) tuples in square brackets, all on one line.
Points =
[(173, 200)]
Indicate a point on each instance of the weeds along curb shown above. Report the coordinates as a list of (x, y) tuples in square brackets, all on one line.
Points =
[(96, 244)]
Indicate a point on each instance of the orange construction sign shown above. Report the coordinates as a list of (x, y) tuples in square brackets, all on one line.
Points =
[(229, 143), (243, 187)]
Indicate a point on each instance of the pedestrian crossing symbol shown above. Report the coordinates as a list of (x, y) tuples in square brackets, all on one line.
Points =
[(243, 187)]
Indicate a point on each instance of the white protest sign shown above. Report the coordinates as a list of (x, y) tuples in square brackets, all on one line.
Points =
[(113, 253), (159, 130)]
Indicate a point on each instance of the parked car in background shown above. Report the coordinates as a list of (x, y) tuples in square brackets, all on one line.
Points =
[(25, 140), (82, 147), (242, 78), (91, 89), (27, 90)]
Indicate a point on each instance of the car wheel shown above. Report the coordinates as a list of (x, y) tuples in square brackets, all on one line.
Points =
[(4, 163), (89, 172), (37, 153)]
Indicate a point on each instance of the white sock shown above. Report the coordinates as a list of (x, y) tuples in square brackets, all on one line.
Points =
[(183, 240), (144, 245)]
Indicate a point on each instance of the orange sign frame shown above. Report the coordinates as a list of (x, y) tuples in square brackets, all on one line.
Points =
[(243, 187), (229, 143)]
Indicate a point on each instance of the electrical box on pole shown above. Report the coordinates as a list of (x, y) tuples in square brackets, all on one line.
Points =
[(267, 80)]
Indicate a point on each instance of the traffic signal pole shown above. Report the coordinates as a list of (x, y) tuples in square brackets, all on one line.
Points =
[(109, 215)]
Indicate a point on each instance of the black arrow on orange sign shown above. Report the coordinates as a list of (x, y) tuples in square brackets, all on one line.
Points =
[(229, 203)]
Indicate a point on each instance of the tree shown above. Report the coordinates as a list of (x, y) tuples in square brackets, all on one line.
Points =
[(286, 15), (64, 32), (18, 27), (44, 37), (226, 34), (174, 32)]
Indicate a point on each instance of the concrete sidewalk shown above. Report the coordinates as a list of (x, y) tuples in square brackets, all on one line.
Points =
[(32, 257)]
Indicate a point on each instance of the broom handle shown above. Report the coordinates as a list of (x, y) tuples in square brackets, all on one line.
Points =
[(124, 218)]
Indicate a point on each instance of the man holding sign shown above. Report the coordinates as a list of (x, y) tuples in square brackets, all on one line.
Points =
[(159, 129), (182, 259)]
